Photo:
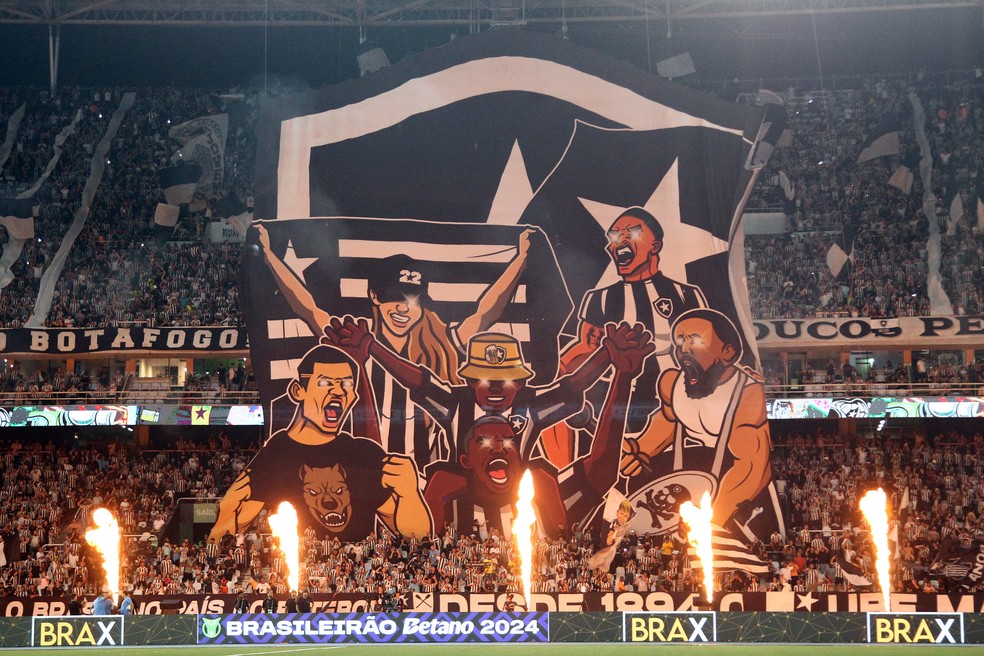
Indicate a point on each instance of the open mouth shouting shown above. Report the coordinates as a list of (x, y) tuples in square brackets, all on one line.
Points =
[(624, 255), (691, 370), (498, 470), (334, 519), (333, 413)]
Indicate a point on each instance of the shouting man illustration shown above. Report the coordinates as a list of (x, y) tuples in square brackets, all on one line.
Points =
[(339, 484), (710, 434)]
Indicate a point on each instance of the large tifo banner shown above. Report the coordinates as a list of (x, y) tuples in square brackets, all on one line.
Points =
[(504, 254)]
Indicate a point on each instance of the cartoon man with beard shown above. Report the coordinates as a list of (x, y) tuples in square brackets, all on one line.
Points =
[(711, 433), (337, 483)]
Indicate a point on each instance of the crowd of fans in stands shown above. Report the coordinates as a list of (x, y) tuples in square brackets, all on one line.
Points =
[(836, 197), (116, 273), (48, 493), (942, 376)]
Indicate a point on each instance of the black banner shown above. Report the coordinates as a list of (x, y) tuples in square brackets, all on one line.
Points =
[(71, 341)]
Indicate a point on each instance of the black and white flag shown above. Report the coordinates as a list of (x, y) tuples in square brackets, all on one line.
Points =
[(840, 255), (953, 202), (202, 141), (882, 141), (626, 190), (179, 183), (902, 179), (335, 258), (17, 216)]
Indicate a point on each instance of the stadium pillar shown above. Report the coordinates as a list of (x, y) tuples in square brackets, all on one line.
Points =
[(69, 365), (969, 356), (141, 435), (54, 43)]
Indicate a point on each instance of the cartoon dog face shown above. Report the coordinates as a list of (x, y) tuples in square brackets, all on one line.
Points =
[(327, 496)]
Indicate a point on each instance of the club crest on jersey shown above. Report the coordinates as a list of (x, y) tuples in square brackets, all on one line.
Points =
[(495, 354), (518, 423), (664, 306)]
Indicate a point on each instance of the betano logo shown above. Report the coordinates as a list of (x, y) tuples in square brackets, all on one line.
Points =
[(77, 632), (670, 627), (916, 628)]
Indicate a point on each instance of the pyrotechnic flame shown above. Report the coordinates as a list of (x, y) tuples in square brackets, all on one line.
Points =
[(106, 539), (283, 525), (523, 532), (874, 507), (699, 531)]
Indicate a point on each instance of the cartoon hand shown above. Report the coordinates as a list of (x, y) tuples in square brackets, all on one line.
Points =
[(634, 461), (525, 242), (264, 237), (351, 335), (400, 475), (628, 347)]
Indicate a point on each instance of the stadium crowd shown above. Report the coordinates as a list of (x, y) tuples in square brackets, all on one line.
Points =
[(838, 200), (940, 377), (48, 492), (116, 271)]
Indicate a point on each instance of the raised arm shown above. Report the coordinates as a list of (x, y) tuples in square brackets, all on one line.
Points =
[(588, 341), (297, 295), (236, 510), (493, 300), (601, 465), (365, 418), (405, 511), (354, 337)]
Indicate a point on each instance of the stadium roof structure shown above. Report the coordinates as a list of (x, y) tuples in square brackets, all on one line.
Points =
[(475, 14)]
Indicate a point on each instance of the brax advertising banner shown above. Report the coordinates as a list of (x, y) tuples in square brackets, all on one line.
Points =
[(304, 628), (101, 631), (502, 254), (916, 628)]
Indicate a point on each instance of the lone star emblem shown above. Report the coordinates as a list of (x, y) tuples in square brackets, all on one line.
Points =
[(806, 601), (518, 423), (664, 306)]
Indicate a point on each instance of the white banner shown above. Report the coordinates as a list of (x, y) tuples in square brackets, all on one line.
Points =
[(225, 230), (863, 332)]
